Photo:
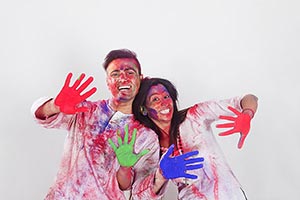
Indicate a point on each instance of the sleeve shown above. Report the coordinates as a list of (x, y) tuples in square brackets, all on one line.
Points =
[(211, 110), (145, 170), (58, 121)]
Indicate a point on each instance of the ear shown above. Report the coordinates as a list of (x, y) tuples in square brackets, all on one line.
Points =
[(143, 110), (106, 80), (141, 77)]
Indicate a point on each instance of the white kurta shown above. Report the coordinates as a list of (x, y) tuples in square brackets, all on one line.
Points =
[(89, 165), (215, 180)]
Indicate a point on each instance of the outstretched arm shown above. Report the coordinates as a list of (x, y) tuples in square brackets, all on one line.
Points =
[(46, 110), (241, 122), (68, 99)]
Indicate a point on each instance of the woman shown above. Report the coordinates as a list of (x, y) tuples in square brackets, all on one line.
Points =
[(190, 130)]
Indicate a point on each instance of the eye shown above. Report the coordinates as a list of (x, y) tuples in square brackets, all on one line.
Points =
[(167, 97), (114, 74), (154, 99), (130, 72)]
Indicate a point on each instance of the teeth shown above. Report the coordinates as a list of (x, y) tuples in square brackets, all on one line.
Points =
[(124, 87), (166, 111)]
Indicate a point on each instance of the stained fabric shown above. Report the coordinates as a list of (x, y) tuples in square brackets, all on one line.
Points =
[(88, 166)]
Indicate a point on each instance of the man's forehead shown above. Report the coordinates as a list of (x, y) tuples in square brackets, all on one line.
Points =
[(122, 63)]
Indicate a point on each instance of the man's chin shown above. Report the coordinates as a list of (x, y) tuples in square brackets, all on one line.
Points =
[(124, 99)]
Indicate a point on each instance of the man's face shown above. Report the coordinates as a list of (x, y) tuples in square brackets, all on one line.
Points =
[(123, 79)]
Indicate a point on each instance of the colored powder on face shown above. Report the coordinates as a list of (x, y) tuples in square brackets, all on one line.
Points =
[(152, 113)]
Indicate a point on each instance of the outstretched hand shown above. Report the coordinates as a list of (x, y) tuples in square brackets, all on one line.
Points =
[(69, 97), (125, 155), (240, 124), (176, 167)]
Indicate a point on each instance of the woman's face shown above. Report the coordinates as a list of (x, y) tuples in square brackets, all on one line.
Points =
[(159, 105)]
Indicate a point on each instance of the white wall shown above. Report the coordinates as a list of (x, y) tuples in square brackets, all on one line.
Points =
[(210, 49)]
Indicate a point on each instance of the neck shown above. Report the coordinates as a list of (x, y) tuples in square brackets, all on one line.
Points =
[(165, 129), (124, 107), (163, 125)]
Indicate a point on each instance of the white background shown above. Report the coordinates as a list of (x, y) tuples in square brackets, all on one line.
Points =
[(210, 49)]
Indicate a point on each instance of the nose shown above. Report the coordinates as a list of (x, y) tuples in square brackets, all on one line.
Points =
[(122, 76), (164, 102)]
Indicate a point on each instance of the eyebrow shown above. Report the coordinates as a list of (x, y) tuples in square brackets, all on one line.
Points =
[(130, 68), (157, 93), (126, 69)]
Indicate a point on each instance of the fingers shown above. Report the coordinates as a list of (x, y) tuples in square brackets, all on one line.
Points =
[(85, 84), (112, 144), (119, 137), (126, 134), (234, 110), (191, 176), (88, 93), (78, 81), (227, 117), (68, 79), (133, 137), (226, 125), (144, 152), (192, 167), (81, 87), (170, 151), (188, 154), (194, 160), (229, 132)]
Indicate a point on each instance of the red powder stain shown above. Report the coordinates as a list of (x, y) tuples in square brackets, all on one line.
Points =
[(99, 142), (216, 180), (193, 110), (198, 193)]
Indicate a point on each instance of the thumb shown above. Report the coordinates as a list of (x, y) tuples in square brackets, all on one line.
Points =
[(144, 152), (112, 144), (81, 109), (241, 141)]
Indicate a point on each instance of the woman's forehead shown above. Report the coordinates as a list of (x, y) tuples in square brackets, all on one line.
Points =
[(157, 89)]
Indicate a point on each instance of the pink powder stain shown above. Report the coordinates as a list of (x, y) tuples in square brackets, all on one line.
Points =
[(198, 193), (216, 180), (99, 142), (193, 110)]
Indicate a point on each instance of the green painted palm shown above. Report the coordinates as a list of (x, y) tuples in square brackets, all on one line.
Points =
[(125, 152)]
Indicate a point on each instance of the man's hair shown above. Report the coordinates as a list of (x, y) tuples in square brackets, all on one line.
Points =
[(121, 53)]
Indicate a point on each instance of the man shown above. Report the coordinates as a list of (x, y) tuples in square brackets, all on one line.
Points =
[(89, 168)]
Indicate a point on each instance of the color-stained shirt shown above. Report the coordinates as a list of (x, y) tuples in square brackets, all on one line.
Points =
[(215, 180), (88, 167)]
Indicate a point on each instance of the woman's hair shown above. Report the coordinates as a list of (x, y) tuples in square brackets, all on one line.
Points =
[(140, 101)]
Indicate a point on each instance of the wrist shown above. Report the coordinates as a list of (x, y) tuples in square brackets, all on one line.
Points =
[(54, 108), (124, 168), (159, 175), (249, 112)]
